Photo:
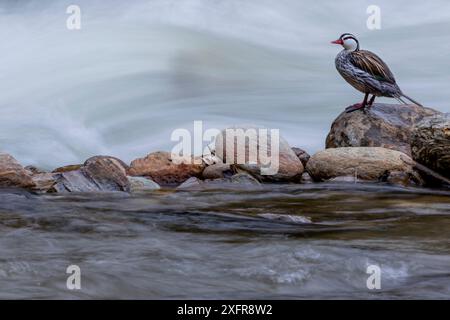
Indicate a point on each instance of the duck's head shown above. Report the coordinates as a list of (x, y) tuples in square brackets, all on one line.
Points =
[(348, 41)]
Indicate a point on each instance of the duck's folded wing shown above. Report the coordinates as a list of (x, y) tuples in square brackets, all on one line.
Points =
[(372, 64)]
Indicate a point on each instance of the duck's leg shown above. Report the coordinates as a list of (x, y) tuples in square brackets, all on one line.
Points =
[(358, 106), (371, 101)]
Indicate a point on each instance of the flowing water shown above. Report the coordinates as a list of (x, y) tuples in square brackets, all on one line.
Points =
[(233, 244), (138, 70)]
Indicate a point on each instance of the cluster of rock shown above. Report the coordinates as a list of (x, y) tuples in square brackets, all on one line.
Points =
[(402, 145)]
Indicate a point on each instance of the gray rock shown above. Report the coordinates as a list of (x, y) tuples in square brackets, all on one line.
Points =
[(383, 125), (302, 155), (190, 184), (74, 181), (98, 174), (142, 184), (431, 143), (286, 218), (217, 171), (306, 178), (244, 179), (237, 181)]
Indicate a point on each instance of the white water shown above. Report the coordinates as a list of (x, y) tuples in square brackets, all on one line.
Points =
[(136, 71)]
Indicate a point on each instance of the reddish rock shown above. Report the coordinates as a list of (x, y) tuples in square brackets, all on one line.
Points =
[(12, 174), (161, 169)]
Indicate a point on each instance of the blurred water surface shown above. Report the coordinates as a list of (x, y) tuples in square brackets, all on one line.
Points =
[(286, 241), (138, 70)]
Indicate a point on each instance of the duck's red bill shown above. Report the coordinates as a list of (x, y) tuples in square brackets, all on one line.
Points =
[(338, 41)]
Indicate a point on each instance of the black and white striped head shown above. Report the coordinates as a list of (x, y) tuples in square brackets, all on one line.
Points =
[(348, 41)]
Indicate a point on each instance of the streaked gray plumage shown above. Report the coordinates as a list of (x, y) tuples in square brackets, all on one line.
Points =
[(366, 72), (365, 80)]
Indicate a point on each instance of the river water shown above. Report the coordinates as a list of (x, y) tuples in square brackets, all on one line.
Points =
[(137, 71), (286, 241)]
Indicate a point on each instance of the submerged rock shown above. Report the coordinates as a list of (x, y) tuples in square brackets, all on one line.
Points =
[(431, 143), (383, 125), (217, 171), (286, 218), (363, 163), (161, 169), (12, 174), (192, 183), (249, 155), (98, 174), (306, 178), (142, 184), (240, 180)]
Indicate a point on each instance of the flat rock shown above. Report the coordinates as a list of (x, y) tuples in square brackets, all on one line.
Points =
[(161, 169), (383, 125), (362, 163), (12, 174)]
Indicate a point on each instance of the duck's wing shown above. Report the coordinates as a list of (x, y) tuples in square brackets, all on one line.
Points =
[(372, 64)]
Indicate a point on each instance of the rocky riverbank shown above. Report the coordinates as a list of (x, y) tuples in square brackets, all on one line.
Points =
[(400, 145)]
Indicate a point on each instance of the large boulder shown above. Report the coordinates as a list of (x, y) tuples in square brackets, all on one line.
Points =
[(431, 143), (12, 174), (382, 125), (98, 174), (108, 173), (241, 147), (160, 167), (363, 163)]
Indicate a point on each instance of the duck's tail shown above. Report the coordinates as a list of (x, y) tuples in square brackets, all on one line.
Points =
[(408, 98)]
